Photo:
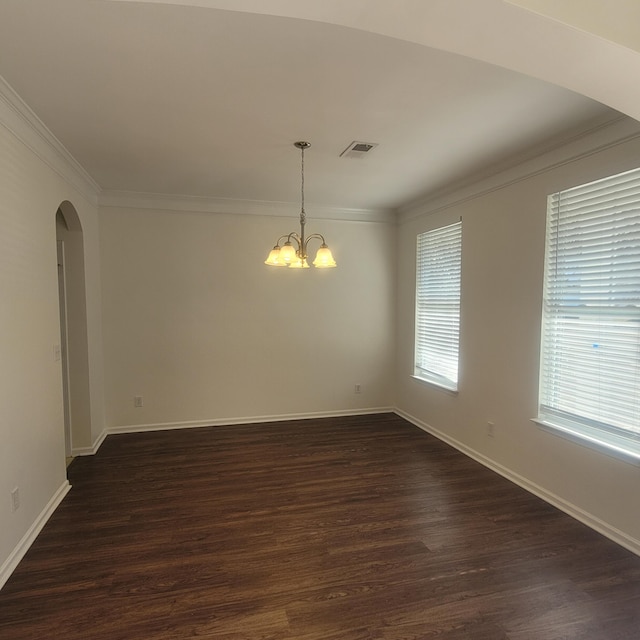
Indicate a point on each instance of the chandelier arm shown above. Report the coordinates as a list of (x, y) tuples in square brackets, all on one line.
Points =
[(313, 236), (294, 236)]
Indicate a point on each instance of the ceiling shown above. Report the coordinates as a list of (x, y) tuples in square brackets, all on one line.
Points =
[(196, 99)]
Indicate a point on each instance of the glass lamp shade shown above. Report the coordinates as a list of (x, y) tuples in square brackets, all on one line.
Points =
[(287, 253), (299, 264), (324, 259), (274, 258)]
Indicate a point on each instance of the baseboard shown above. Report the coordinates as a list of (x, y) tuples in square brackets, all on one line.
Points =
[(93, 449), (29, 537), (223, 422), (588, 519)]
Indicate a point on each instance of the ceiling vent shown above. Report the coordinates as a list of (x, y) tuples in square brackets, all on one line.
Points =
[(358, 149)]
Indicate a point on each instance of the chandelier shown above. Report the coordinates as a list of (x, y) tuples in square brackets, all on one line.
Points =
[(293, 252)]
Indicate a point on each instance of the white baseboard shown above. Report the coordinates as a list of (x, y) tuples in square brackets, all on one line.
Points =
[(93, 449), (29, 537), (223, 422), (591, 521)]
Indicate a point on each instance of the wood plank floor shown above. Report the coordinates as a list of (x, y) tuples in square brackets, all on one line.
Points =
[(358, 528)]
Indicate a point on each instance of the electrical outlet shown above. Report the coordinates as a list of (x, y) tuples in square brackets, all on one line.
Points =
[(138, 402), (357, 388), (491, 429), (15, 499)]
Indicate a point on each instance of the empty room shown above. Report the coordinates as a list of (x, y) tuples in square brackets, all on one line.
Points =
[(431, 431)]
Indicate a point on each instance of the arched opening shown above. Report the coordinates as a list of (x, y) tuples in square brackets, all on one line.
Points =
[(73, 329)]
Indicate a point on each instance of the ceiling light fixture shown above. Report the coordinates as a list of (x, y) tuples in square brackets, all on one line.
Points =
[(295, 256)]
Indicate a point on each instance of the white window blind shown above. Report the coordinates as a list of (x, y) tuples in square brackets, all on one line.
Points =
[(439, 255), (590, 360)]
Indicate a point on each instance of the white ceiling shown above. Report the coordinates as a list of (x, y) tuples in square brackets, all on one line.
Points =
[(174, 98)]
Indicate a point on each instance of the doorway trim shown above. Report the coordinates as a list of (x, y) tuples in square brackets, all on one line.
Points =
[(74, 348)]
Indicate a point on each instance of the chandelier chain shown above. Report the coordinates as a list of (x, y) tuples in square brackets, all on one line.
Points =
[(302, 212)]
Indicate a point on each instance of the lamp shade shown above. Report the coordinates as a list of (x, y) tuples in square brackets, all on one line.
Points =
[(287, 253), (324, 258), (274, 258)]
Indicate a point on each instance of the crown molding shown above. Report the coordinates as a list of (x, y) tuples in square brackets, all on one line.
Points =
[(600, 136), (199, 204), (23, 123)]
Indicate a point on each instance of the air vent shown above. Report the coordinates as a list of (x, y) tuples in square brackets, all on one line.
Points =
[(358, 149)]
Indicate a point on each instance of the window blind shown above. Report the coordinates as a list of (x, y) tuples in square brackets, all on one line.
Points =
[(439, 255), (590, 358)]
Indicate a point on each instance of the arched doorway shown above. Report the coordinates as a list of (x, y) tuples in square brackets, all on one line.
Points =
[(73, 329)]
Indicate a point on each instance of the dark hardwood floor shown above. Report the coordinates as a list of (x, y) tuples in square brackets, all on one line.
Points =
[(336, 529)]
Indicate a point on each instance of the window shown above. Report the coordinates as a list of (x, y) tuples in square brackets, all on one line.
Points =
[(590, 357), (439, 255)]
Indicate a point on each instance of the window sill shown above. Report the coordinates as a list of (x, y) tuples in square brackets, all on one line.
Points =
[(619, 448), (436, 384)]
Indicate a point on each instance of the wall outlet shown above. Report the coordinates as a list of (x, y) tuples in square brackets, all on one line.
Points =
[(15, 499), (357, 388), (138, 402), (57, 352), (491, 429)]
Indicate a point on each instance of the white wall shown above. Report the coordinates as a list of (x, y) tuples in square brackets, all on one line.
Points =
[(501, 294), (196, 324), (32, 455)]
